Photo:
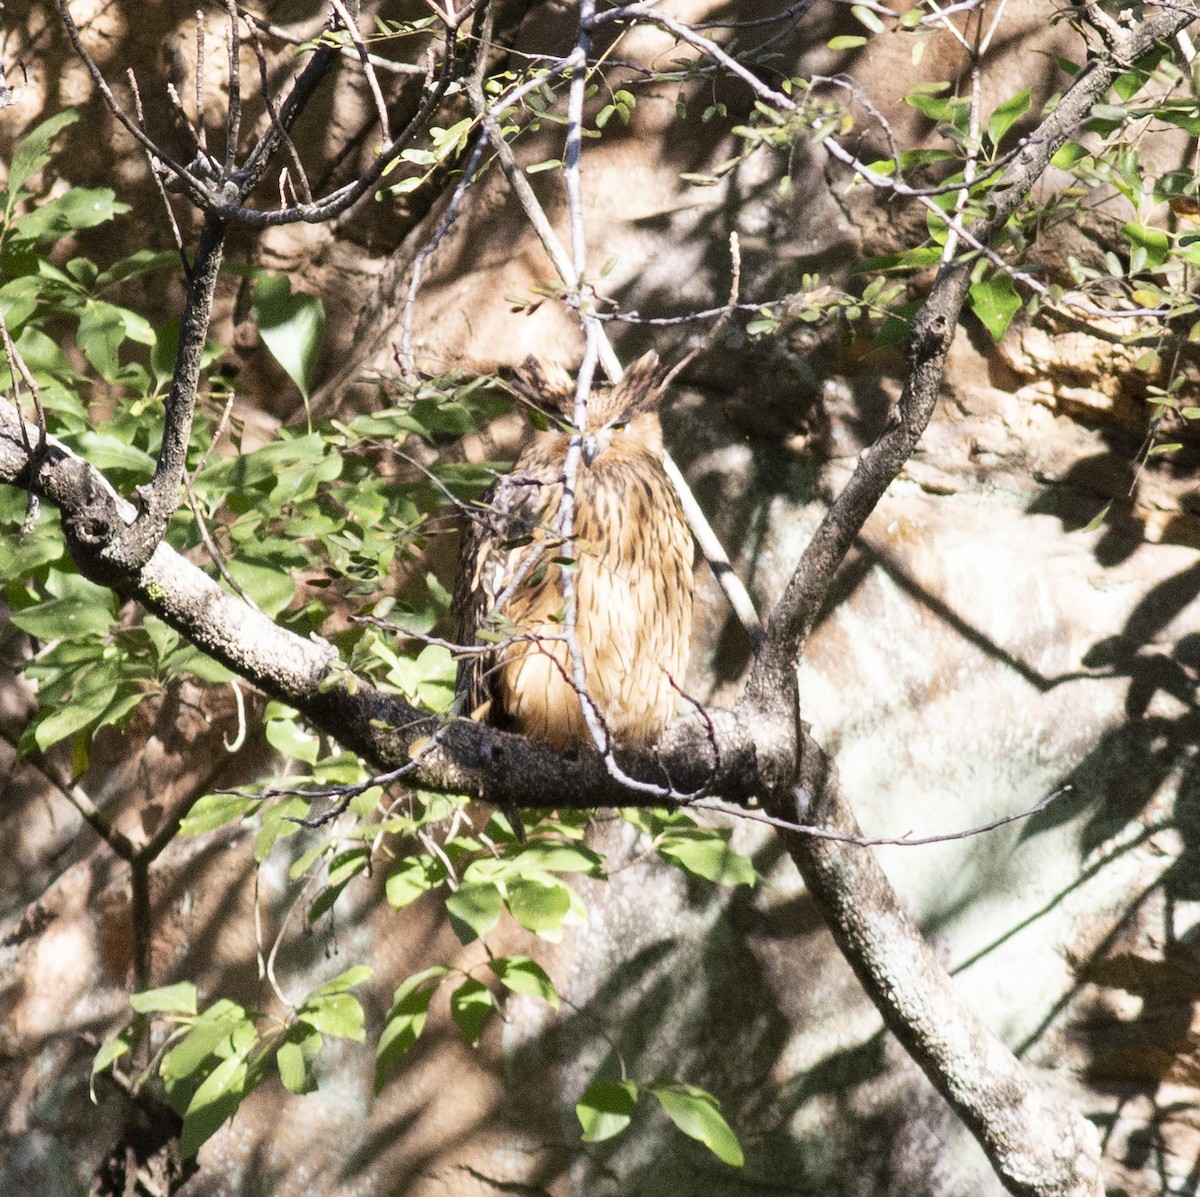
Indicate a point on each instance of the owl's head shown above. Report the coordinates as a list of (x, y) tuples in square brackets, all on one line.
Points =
[(620, 416)]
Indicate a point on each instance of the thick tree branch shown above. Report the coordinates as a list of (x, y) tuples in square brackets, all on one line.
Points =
[(160, 496), (1039, 1146)]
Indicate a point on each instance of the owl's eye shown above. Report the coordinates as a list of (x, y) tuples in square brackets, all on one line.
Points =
[(618, 427)]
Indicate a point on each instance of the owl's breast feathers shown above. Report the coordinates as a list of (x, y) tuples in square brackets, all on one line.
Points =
[(633, 590)]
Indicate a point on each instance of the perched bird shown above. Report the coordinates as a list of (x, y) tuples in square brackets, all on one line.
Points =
[(631, 564)]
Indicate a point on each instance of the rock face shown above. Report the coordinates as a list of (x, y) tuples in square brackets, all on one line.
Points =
[(987, 648)]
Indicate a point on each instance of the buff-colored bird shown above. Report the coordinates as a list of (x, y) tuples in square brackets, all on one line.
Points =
[(632, 574)]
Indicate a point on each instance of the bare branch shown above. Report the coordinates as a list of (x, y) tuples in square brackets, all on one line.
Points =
[(160, 496), (273, 115), (201, 134), (932, 330), (804, 802), (233, 122), (156, 175), (368, 68)]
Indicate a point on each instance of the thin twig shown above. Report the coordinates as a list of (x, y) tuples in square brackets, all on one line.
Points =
[(273, 114), (201, 134), (866, 841), (156, 175), (233, 119), (368, 69)]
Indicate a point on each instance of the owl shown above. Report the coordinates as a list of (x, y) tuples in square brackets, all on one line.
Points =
[(631, 564)]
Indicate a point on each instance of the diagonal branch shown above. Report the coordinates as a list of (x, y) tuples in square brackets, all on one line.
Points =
[(1039, 1146), (794, 614)]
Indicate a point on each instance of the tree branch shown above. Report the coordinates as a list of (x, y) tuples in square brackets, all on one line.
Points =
[(160, 496), (1039, 1146), (793, 616)]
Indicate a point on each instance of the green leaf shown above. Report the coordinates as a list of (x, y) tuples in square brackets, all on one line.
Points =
[(33, 151), (470, 1005), (474, 910), (605, 1109), (358, 975), (179, 998), (348, 864), (936, 108), (523, 975), (846, 42), (293, 740), (1129, 83), (79, 208), (268, 585), (406, 1020), (1155, 243), (107, 452), (343, 868), (294, 1070), (695, 1113), (539, 906), (142, 262), (707, 853), (337, 1014), (84, 708), (414, 877), (995, 301), (291, 327), (213, 1030), (100, 334), (74, 617), (216, 1100), (865, 17), (1006, 115), (278, 822), (1068, 154), (909, 259), (215, 810), (110, 1051), (556, 858)]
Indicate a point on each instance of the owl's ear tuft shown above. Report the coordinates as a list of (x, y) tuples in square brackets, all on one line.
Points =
[(642, 384), (529, 382), (528, 379)]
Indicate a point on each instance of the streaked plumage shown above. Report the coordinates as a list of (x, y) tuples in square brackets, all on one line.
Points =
[(633, 577)]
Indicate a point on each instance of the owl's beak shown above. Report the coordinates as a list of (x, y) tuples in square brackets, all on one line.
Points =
[(591, 447)]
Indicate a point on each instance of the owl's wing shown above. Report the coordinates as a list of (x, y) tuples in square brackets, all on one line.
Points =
[(472, 604), (498, 528)]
